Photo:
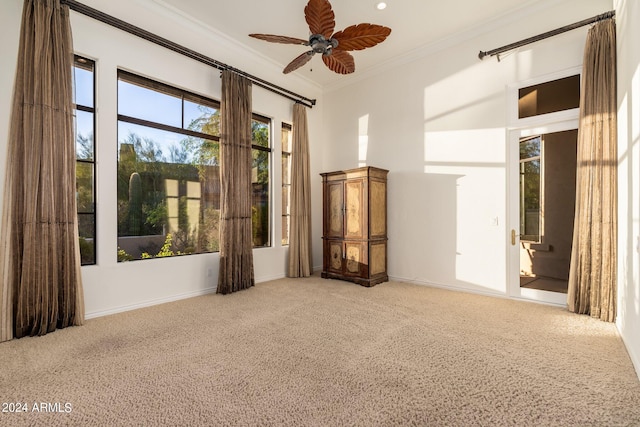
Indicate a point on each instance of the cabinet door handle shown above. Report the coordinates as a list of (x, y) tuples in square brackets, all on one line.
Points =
[(513, 237)]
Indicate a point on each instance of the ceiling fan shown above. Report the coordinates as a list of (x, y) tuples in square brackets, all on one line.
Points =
[(334, 47)]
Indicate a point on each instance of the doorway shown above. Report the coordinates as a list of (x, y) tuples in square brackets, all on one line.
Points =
[(543, 190), (547, 182)]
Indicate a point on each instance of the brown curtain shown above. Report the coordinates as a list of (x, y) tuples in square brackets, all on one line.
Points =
[(39, 255), (300, 262), (236, 243), (592, 277)]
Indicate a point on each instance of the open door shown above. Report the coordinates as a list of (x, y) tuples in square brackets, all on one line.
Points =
[(543, 188)]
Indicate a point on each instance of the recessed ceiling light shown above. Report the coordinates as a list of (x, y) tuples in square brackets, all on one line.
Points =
[(381, 5)]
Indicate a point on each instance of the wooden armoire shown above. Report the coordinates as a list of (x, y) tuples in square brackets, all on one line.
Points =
[(354, 227)]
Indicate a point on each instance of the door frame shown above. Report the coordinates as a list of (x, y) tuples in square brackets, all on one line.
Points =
[(517, 129), (513, 205)]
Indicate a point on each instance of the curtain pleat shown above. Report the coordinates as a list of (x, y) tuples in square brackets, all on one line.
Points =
[(592, 276), (40, 256), (300, 261), (236, 240)]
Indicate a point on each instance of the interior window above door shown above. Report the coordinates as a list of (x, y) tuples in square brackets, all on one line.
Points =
[(549, 97)]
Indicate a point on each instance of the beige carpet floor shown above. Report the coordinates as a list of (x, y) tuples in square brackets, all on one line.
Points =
[(326, 353)]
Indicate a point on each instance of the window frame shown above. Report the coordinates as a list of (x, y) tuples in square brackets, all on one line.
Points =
[(81, 62), (269, 150), (286, 183), (529, 238)]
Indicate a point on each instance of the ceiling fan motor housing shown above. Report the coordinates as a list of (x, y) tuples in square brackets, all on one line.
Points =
[(319, 44)]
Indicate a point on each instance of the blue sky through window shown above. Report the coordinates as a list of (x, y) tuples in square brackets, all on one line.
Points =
[(83, 81), (147, 104)]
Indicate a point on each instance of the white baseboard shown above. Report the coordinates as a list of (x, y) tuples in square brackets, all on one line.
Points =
[(468, 290), (447, 287), (172, 298), (270, 278), (149, 303)]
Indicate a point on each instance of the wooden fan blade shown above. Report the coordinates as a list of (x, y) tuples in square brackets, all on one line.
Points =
[(280, 39), (361, 36), (340, 62), (298, 62), (320, 17)]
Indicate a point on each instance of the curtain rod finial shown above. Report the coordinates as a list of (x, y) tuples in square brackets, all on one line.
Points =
[(481, 55)]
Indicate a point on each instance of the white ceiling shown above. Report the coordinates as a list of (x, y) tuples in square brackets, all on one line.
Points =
[(415, 24)]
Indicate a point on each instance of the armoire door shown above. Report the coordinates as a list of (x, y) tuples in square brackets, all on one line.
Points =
[(355, 223), (334, 221), (335, 249), (378, 209), (355, 259)]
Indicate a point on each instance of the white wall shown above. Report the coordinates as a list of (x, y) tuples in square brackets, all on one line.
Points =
[(628, 39), (439, 124), (9, 30), (111, 286)]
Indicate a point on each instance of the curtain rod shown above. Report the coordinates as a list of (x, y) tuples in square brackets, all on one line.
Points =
[(548, 34), (153, 38)]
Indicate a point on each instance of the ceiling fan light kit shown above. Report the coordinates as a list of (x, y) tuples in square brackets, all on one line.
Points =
[(334, 47)]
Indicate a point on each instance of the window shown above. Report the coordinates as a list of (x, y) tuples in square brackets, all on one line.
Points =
[(286, 181), (549, 97), (168, 171), (261, 152), (530, 188), (84, 113)]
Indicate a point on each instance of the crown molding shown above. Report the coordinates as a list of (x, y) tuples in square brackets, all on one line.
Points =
[(218, 36), (421, 52)]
